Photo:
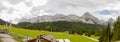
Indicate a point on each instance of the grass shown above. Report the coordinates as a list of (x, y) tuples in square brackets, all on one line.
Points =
[(17, 37), (58, 35), (95, 37)]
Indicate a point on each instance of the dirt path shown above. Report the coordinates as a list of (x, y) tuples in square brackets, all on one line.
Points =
[(6, 38), (91, 38)]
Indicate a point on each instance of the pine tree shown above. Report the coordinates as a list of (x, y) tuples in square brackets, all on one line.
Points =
[(116, 31), (106, 33), (101, 39)]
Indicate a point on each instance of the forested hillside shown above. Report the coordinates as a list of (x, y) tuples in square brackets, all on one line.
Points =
[(62, 26), (2, 22), (111, 34)]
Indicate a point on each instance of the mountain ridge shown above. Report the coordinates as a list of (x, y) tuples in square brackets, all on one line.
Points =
[(86, 18)]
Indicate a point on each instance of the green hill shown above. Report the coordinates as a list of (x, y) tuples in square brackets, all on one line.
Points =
[(62, 26), (58, 35)]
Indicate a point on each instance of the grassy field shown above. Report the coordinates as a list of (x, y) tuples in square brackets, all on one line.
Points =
[(95, 37), (58, 35)]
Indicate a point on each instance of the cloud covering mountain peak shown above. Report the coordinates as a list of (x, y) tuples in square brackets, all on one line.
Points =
[(18, 9)]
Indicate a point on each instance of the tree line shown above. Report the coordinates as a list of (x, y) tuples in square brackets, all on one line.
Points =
[(2, 22), (111, 34), (62, 26)]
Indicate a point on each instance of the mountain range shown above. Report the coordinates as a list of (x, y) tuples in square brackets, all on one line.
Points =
[(86, 18)]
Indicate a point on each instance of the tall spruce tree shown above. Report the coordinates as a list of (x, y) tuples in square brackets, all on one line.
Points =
[(106, 34), (116, 31)]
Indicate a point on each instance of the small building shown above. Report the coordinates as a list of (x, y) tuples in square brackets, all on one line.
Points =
[(63, 40), (47, 38), (44, 38)]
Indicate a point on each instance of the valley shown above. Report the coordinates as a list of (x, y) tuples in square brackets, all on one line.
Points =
[(59, 21), (58, 35)]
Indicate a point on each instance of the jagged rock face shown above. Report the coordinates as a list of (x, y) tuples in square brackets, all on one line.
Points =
[(88, 17), (111, 20), (89, 22), (45, 18), (32, 20), (59, 17), (104, 22), (73, 17)]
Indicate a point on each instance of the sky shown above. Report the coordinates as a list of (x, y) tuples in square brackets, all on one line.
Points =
[(18, 9)]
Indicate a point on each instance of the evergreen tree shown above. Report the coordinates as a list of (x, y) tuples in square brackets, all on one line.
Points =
[(62, 26), (101, 39), (106, 34), (116, 31), (2, 22)]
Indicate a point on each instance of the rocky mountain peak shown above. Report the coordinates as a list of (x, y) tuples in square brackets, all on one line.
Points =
[(88, 16), (59, 15), (72, 15), (110, 20)]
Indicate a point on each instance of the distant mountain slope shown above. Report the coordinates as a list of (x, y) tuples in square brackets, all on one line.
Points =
[(86, 18), (73, 17), (110, 20)]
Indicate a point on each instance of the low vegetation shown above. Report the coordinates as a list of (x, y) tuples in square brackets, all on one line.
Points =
[(95, 37)]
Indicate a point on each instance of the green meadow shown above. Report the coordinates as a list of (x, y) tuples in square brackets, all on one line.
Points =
[(58, 35)]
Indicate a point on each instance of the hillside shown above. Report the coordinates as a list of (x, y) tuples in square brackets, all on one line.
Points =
[(62, 26), (2, 22), (58, 35)]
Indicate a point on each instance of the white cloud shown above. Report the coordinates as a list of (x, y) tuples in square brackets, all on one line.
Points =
[(113, 7), (21, 7), (31, 8), (38, 2)]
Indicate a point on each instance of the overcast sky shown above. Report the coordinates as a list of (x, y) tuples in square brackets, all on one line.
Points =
[(18, 9)]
